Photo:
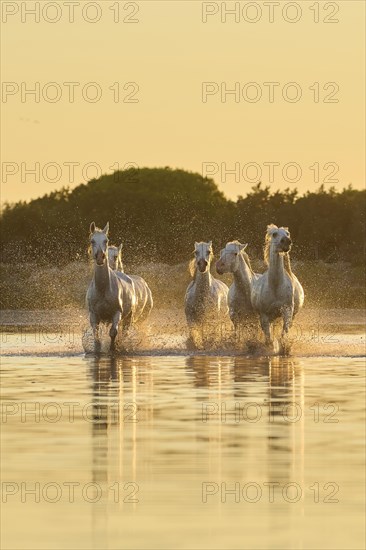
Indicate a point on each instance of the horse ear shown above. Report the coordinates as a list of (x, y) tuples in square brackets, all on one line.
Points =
[(210, 244), (243, 246), (106, 229), (196, 244), (92, 227), (120, 247)]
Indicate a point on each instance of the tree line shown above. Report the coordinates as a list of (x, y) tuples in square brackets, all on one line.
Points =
[(158, 213)]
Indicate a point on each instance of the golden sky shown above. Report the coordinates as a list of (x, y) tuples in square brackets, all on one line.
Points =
[(169, 54)]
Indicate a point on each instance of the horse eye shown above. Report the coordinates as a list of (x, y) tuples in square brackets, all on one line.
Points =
[(93, 241), (275, 234)]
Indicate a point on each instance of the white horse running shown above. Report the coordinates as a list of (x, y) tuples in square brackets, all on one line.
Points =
[(144, 300), (206, 297), (277, 293), (109, 299), (234, 259)]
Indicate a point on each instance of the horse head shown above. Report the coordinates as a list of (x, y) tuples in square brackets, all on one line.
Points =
[(279, 238), (99, 243), (113, 253), (203, 256), (229, 257)]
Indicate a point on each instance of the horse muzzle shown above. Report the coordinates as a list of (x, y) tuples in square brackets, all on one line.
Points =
[(100, 257), (286, 243), (202, 265)]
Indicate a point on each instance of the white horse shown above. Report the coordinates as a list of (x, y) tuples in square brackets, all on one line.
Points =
[(109, 299), (277, 293), (206, 297), (234, 259), (144, 300)]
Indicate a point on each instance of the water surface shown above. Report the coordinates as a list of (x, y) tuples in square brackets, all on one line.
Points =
[(183, 450)]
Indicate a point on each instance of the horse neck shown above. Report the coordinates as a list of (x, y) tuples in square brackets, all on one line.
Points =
[(243, 276), (203, 280), (276, 270), (102, 277)]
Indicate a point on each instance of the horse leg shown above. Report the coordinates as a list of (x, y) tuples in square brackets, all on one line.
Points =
[(236, 324), (266, 327), (287, 314), (127, 321), (195, 335), (114, 329), (94, 322), (240, 334)]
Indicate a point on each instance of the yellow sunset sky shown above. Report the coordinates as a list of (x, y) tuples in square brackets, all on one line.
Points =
[(169, 52)]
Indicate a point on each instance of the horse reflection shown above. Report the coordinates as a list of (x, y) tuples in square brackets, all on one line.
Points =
[(121, 390), (252, 405), (206, 371), (169, 399)]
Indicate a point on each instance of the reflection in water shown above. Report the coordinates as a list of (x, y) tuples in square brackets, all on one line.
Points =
[(167, 425), (251, 392), (255, 409), (115, 382)]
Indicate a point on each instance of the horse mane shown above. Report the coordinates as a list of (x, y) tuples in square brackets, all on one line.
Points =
[(97, 230), (267, 243), (247, 261), (192, 268), (120, 263), (287, 263)]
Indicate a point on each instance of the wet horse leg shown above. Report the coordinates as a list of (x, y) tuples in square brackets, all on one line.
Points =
[(287, 314), (114, 329), (266, 327), (127, 321), (94, 322)]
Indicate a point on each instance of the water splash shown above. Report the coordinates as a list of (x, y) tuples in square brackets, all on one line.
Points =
[(67, 332)]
